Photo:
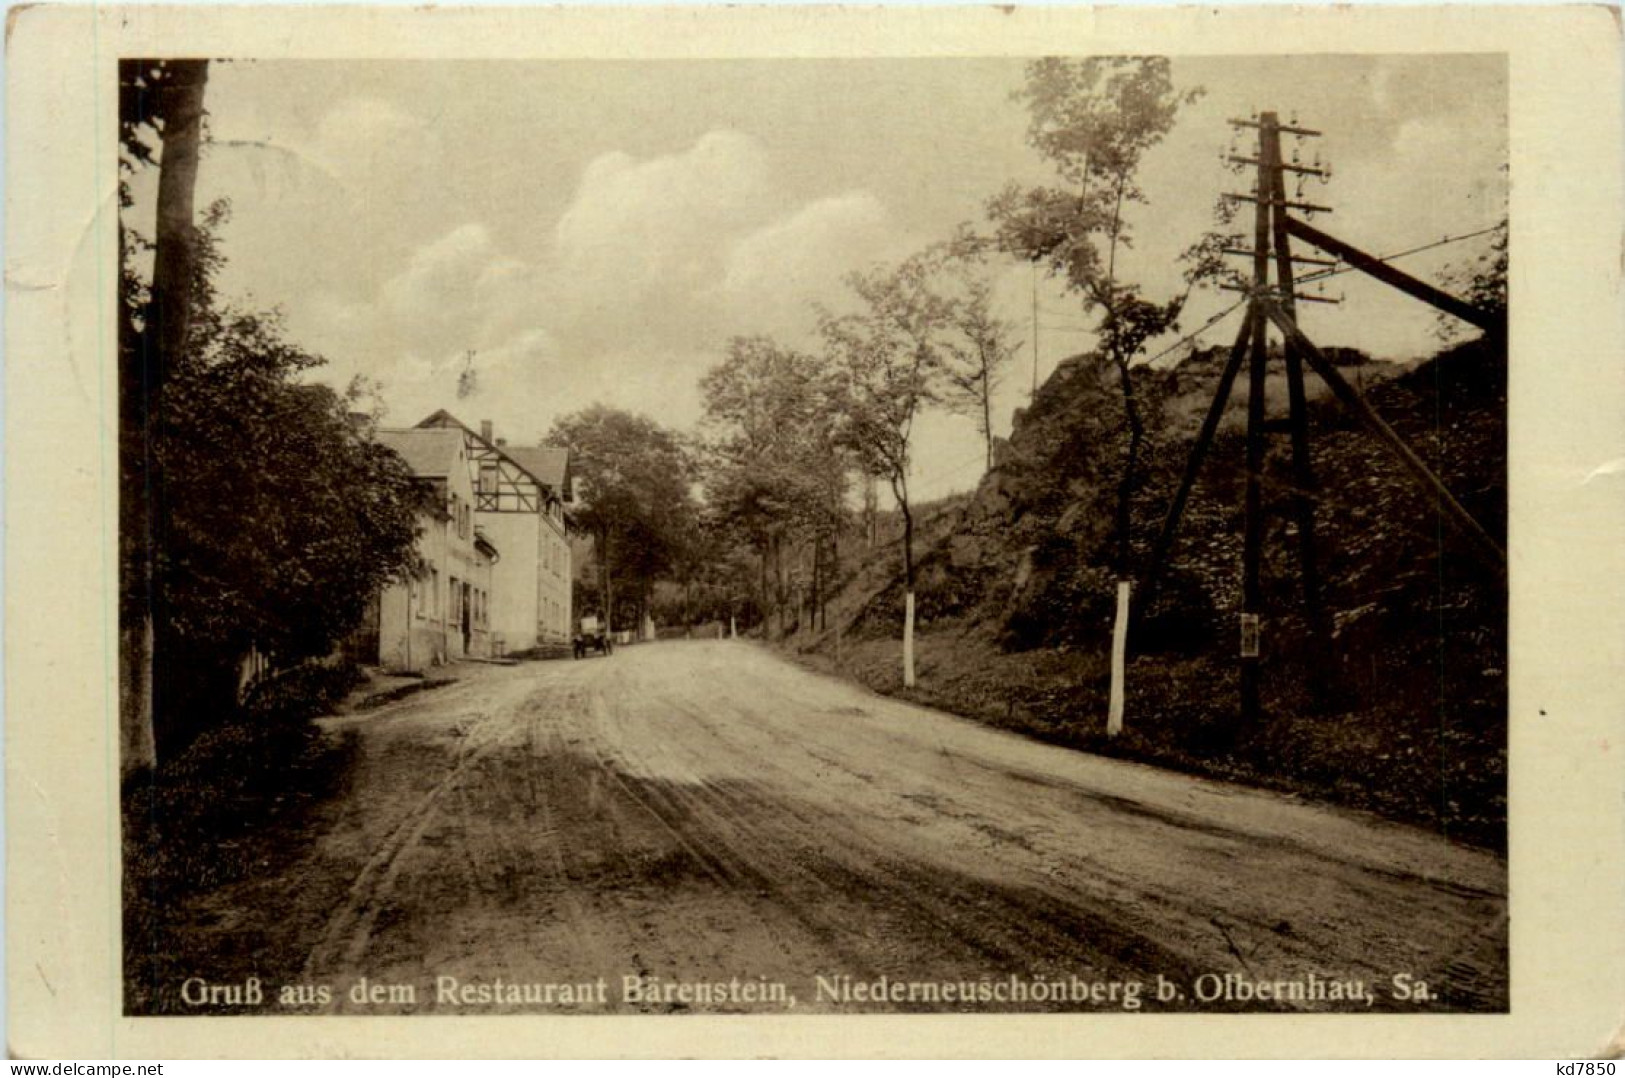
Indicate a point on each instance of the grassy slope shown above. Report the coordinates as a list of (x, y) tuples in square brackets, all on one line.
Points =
[(1408, 717)]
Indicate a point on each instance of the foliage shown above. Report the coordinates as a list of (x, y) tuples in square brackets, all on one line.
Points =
[(278, 519), (777, 474), (1094, 120), (886, 360), (1482, 281), (770, 433), (633, 479), (979, 345)]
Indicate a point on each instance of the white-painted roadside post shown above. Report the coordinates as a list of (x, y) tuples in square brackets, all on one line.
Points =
[(1114, 710), (908, 640)]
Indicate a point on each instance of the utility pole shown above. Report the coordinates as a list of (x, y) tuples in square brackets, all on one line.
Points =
[(1273, 229), (1034, 394), (1257, 362), (1303, 478), (1270, 232)]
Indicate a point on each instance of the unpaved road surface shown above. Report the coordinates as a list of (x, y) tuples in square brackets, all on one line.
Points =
[(704, 812)]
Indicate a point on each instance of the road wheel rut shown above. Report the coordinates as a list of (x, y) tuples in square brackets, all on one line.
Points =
[(705, 812)]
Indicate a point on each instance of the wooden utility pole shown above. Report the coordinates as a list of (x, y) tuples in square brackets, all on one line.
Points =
[(1034, 394), (1253, 523), (1273, 228), (1303, 478)]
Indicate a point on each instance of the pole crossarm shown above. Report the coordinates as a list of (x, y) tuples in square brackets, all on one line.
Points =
[(1306, 207), (1302, 170), (1285, 129), (1310, 260), (1248, 291), (1396, 278), (1484, 542)]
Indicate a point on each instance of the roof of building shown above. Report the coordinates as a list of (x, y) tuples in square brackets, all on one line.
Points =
[(430, 454), (547, 463)]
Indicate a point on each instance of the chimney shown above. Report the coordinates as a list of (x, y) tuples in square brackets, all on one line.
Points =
[(501, 442), (485, 430)]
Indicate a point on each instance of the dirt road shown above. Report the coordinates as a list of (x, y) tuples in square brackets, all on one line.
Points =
[(707, 827)]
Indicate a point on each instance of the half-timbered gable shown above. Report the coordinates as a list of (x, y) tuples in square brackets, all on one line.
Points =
[(522, 511)]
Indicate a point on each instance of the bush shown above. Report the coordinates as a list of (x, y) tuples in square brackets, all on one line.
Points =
[(237, 773), (301, 693)]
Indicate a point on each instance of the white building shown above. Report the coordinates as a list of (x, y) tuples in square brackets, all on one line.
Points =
[(443, 613), (519, 494)]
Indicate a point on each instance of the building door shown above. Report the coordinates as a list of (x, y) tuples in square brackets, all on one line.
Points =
[(468, 620)]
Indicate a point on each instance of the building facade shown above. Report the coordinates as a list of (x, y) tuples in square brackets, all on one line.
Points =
[(518, 499), (444, 612)]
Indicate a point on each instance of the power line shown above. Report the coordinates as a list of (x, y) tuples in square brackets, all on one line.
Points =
[(1335, 270), (1322, 275), (1203, 328)]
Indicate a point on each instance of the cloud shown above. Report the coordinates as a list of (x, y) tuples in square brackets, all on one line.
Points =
[(642, 233), (360, 135), (775, 273), (657, 261), (651, 266), (456, 294)]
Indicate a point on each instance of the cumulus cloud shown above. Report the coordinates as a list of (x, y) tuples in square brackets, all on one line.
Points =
[(458, 293), (651, 266), (359, 135), (641, 234), (773, 274)]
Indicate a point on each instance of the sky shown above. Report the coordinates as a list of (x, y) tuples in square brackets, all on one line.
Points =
[(597, 231)]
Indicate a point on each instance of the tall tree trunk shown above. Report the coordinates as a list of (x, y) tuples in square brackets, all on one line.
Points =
[(778, 583), (817, 580), (871, 511), (833, 573), (147, 364), (761, 566), (908, 587), (987, 416), (606, 588), (1131, 468)]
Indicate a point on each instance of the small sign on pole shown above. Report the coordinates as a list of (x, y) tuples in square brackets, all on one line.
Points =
[(1249, 636)]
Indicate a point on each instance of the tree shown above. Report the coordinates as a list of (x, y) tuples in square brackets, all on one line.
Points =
[(164, 97), (1094, 120), (634, 478), (775, 467), (1481, 281), (280, 516), (887, 361), (977, 348)]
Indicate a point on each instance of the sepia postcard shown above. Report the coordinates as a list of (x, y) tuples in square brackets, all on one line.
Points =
[(792, 531)]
